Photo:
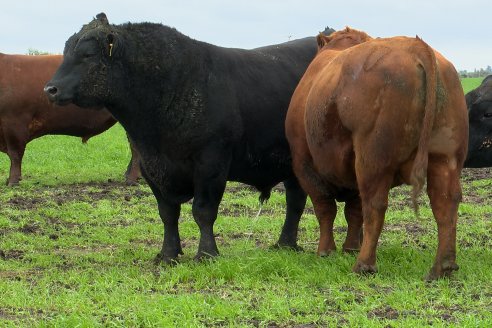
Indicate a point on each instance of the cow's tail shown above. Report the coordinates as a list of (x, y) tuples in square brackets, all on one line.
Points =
[(418, 174)]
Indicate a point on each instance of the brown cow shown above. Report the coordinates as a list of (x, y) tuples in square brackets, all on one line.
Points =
[(26, 113), (370, 114)]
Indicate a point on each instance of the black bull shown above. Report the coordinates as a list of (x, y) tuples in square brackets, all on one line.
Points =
[(479, 103), (200, 115)]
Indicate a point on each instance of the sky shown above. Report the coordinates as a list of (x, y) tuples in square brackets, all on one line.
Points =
[(460, 30)]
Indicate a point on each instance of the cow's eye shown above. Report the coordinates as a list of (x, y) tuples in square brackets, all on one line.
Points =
[(88, 55), (487, 115)]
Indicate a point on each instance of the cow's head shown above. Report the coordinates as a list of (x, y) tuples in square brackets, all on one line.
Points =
[(90, 62), (342, 39), (479, 102)]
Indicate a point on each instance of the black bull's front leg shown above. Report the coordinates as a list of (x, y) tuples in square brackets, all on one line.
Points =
[(210, 172), (209, 182)]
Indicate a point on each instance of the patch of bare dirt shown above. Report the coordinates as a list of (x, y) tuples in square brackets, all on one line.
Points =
[(472, 174), (12, 254), (25, 203), (16, 313), (89, 192), (384, 312)]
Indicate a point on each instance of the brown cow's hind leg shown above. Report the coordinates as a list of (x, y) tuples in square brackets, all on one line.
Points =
[(374, 195), (353, 215), (444, 190), (326, 211), (16, 139)]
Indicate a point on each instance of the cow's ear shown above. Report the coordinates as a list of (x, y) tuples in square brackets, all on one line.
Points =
[(102, 18), (322, 40)]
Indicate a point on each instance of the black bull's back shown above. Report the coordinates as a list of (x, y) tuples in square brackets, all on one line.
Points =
[(199, 114)]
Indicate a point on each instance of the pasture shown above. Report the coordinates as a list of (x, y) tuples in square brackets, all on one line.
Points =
[(76, 249)]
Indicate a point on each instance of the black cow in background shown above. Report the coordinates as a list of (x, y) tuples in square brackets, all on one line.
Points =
[(479, 102), (199, 114)]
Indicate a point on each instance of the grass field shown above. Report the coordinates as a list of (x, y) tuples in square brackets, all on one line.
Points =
[(470, 83), (76, 250)]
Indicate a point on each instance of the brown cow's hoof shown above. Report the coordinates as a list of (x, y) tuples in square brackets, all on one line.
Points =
[(12, 183), (446, 270), (325, 252), (350, 250), (364, 269), (131, 181)]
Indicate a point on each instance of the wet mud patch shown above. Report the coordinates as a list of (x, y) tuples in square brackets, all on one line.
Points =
[(89, 192), (17, 313), (28, 228), (25, 203), (384, 312), (12, 254), (473, 174)]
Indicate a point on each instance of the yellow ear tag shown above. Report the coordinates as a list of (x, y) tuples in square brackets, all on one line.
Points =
[(110, 49)]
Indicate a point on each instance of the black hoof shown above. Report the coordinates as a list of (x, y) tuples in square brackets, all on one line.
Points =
[(166, 260), (202, 256), (294, 247)]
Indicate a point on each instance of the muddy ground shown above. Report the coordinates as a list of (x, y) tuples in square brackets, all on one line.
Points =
[(477, 190), (477, 186)]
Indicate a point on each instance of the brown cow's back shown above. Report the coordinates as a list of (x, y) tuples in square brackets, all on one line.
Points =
[(22, 79)]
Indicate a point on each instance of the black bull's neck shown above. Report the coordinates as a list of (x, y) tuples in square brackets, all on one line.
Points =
[(160, 78), (172, 93)]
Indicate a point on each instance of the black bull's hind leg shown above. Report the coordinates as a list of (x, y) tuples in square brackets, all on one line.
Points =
[(296, 201), (210, 178)]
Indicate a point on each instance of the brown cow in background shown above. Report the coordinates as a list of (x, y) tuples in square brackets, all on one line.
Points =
[(26, 113), (370, 114)]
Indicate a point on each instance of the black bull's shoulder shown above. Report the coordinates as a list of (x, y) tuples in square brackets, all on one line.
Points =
[(199, 114)]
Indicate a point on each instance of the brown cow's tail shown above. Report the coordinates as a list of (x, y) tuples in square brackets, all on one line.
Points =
[(418, 174)]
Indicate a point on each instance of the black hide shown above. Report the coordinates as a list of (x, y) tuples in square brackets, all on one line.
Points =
[(479, 103), (199, 114)]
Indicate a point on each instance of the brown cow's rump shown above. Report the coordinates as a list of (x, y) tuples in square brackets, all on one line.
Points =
[(370, 114)]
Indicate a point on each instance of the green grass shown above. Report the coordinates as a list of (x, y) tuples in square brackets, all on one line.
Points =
[(470, 83), (77, 250)]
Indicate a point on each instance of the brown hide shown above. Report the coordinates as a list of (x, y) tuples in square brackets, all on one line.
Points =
[(370, 114), (26, 113)]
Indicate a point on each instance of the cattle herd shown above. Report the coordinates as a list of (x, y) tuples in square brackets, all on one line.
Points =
[(341, 116)]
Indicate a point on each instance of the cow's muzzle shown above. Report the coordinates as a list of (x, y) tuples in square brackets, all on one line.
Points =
[(51, 91), (54, 95)]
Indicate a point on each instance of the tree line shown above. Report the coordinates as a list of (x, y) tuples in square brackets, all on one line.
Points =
[(477, 72)]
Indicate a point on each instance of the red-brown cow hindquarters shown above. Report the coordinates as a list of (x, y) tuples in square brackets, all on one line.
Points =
[(373, 97)]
